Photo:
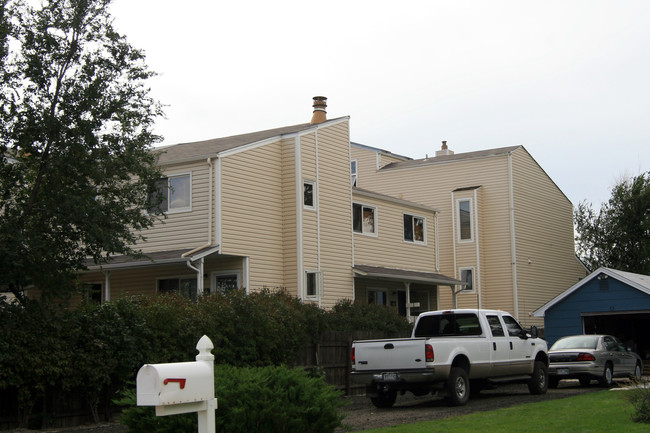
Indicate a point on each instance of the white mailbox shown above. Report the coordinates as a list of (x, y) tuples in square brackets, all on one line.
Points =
[(175, 383), (181, 387)]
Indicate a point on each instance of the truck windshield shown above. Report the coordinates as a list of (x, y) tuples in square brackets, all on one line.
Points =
[(440, 325)]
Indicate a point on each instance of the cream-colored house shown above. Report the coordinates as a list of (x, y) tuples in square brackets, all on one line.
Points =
[(276, 209), (503, 226)]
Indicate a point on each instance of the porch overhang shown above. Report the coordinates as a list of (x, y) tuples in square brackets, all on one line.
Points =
[(157, 258), (405, 275)]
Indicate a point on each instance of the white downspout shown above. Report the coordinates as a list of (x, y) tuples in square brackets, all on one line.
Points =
[(478, 251), (199, 275), (453, 242), (513, 244), (321, 287), (300, 265), (210, 180), (217, 206)]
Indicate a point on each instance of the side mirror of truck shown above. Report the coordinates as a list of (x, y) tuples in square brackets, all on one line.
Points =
[(533, 331)]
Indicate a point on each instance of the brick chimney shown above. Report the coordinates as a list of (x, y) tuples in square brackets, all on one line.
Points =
[(444, 150), (320, 110)]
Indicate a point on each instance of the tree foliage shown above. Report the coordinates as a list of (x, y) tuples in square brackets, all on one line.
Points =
[(618, 236), (76, 118)]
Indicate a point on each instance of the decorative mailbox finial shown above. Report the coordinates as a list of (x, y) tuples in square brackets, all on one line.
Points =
[(205, 346)]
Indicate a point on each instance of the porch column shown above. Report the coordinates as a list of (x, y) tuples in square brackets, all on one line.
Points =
[(107, 286), (407, 286)]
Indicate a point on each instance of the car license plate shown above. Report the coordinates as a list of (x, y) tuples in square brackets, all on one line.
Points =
[(390, 377), (562, 371)]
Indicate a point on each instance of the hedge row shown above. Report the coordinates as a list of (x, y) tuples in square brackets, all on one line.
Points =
[(48, 353)]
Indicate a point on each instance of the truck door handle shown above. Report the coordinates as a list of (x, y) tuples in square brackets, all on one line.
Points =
[(511, 345), (494, 346), (389, 346)]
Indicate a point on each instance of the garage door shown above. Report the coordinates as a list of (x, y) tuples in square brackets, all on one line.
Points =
[(631, 327)]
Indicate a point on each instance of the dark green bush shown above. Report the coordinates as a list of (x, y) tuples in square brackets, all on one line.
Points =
[(264, 399), (639, 397), (356, 316)]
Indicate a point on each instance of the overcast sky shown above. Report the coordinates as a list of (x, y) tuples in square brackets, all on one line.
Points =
[(568, 80)]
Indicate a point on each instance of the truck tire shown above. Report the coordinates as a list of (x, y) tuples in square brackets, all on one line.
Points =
[(457, 387), (538, 383), (384, 399)]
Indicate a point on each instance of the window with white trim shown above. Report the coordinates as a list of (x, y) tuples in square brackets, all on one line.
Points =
[(353, 172), (363, 219), (308, 195), (465, 219), (414, 228), (186, 286), (467, 276), (313, 284), (225, 281), (174, 193)]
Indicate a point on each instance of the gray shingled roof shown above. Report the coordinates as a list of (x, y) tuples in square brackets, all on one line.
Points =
[(432, 160), (209, 148), (154, 258), (403, 274)]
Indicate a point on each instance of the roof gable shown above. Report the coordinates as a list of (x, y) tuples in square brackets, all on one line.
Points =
[(636, 281), (197, 150)]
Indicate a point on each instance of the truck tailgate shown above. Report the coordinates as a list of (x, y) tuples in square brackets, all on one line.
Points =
[(396, 354)]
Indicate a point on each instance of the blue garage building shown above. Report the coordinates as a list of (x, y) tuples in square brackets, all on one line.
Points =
[(607, 301)]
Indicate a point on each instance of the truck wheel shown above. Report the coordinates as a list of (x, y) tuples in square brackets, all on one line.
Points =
[(538, 384), (457, 387), (384, 399)]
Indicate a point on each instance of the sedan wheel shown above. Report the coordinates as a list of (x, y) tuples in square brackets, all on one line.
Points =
[(637, 372), (606, 380)]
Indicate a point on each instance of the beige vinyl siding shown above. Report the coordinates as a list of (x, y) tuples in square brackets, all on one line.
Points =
[(432, 185), (289, 216), (387, 248), (183, 229), (335, 212), (545, 241), (252, 212)]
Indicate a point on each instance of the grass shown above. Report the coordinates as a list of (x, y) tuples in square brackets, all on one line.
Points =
[(603, 411)]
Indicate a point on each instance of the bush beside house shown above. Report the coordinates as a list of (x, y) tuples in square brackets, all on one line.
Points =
[(51, 354)]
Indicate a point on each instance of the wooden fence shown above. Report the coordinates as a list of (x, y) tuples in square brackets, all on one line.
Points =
[(332, 354)]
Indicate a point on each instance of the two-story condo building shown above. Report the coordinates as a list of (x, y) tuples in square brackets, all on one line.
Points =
[(277, 209)]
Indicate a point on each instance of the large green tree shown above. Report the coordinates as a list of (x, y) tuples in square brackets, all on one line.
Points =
[(76, 120), (618, 236)]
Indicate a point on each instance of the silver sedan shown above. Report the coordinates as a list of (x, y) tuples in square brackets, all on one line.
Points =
[(589, 357)]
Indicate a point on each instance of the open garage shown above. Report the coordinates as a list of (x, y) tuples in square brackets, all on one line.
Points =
[(607, 301)]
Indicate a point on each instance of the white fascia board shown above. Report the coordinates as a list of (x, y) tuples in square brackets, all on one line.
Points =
[(276, 138)]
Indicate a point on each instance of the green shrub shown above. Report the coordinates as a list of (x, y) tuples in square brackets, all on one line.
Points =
[(347, 315), (639, 397), (265, 399)]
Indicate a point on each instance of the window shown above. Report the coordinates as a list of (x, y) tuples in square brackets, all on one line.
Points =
[(465, 220), (353, 172), (93, 293), (363, 219), (308, 194), (467, 276), (185, 285), (174, 193), (514, 328), (313, 284), (448, 325), (377, 297), (495, 326), (224, 282), (413, 228)]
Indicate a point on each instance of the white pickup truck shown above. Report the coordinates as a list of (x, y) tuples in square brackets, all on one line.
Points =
[(454, 352)]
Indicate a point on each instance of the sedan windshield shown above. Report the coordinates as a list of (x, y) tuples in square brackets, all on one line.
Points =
[(576, 342)]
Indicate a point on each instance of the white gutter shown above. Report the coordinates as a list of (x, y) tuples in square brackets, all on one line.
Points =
[(217, 205), (199, 275), (436, 248), (513, 244), (453, 242)]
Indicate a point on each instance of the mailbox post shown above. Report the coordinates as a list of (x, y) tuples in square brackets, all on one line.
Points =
[(181, 387)]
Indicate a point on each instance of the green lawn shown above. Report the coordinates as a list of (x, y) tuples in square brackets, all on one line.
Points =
[(605, 411)]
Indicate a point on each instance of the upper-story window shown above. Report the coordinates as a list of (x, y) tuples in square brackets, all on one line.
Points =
[(465, 220), (308, 195), (363, 219), (353, 172), (175, 192), (413, 228)]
